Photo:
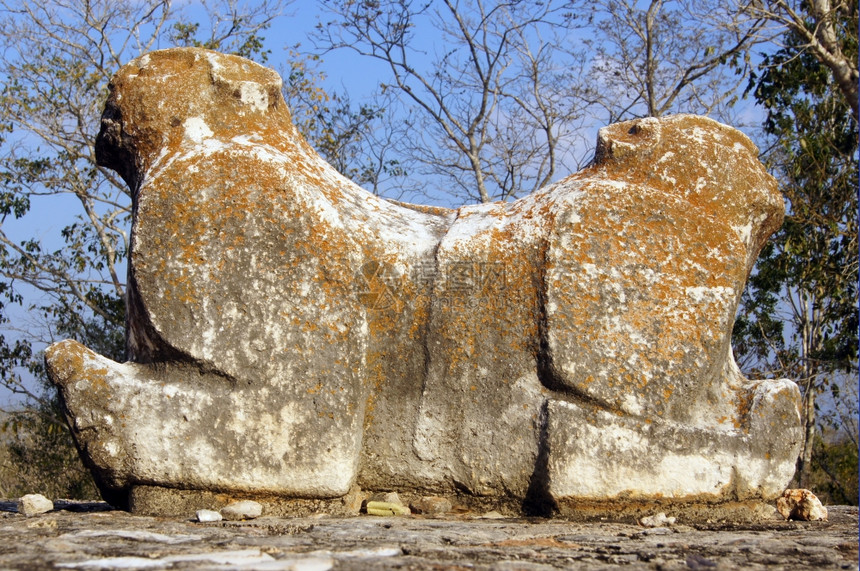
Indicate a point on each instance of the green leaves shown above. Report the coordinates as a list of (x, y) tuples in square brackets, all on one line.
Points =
[(807, 275)]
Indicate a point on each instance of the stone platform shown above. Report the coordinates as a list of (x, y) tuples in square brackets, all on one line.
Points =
[(94, 536)]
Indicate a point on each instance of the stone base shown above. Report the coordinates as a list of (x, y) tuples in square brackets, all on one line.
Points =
[(692, 512), (159, 501), (167, 502)]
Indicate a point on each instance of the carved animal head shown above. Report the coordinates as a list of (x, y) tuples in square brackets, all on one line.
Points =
[(711, 165), (143, 116)]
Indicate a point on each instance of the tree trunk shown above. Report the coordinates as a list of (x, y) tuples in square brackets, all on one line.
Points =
[(830, 53), (804, 463), (650, 16)]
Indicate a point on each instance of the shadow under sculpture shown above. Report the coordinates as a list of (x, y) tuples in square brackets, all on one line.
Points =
[(291, 335)]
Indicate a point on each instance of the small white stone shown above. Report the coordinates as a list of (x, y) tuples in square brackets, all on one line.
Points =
[(657, 520), (34, 504), (208, 515), (246, 509)]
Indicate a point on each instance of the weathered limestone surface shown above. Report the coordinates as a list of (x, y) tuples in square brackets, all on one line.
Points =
[(292, 335), (87, 536)]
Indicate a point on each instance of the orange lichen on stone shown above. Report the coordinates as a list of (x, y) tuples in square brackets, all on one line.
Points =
[(334, 338)]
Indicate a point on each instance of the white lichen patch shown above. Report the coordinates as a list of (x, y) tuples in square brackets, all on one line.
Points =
[(254, 95), (744, 232), (196, 129), (110, 447), (214, 63), (631, 405), (710, 294)]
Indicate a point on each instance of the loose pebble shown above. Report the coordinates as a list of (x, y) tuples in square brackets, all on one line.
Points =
[(34, 504), (801, 505), (432, 505), (208, 515), (392, 498), (246, 509), (657, 520)]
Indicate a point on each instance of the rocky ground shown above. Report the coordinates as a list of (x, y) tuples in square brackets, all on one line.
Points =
[(92, 536)]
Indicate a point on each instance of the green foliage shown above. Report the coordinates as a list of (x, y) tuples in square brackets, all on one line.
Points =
[(813, 258), (834, 471), (799, 312), (37, 455), (251, 46)]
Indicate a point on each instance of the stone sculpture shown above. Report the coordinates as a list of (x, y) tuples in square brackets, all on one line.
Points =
[(291, 335)]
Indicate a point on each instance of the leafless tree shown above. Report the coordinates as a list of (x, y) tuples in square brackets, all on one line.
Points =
[(493, 106), (357, 140), (667, 56)]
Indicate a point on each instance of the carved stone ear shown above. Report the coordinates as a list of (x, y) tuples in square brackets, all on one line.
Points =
[(638, 137)]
